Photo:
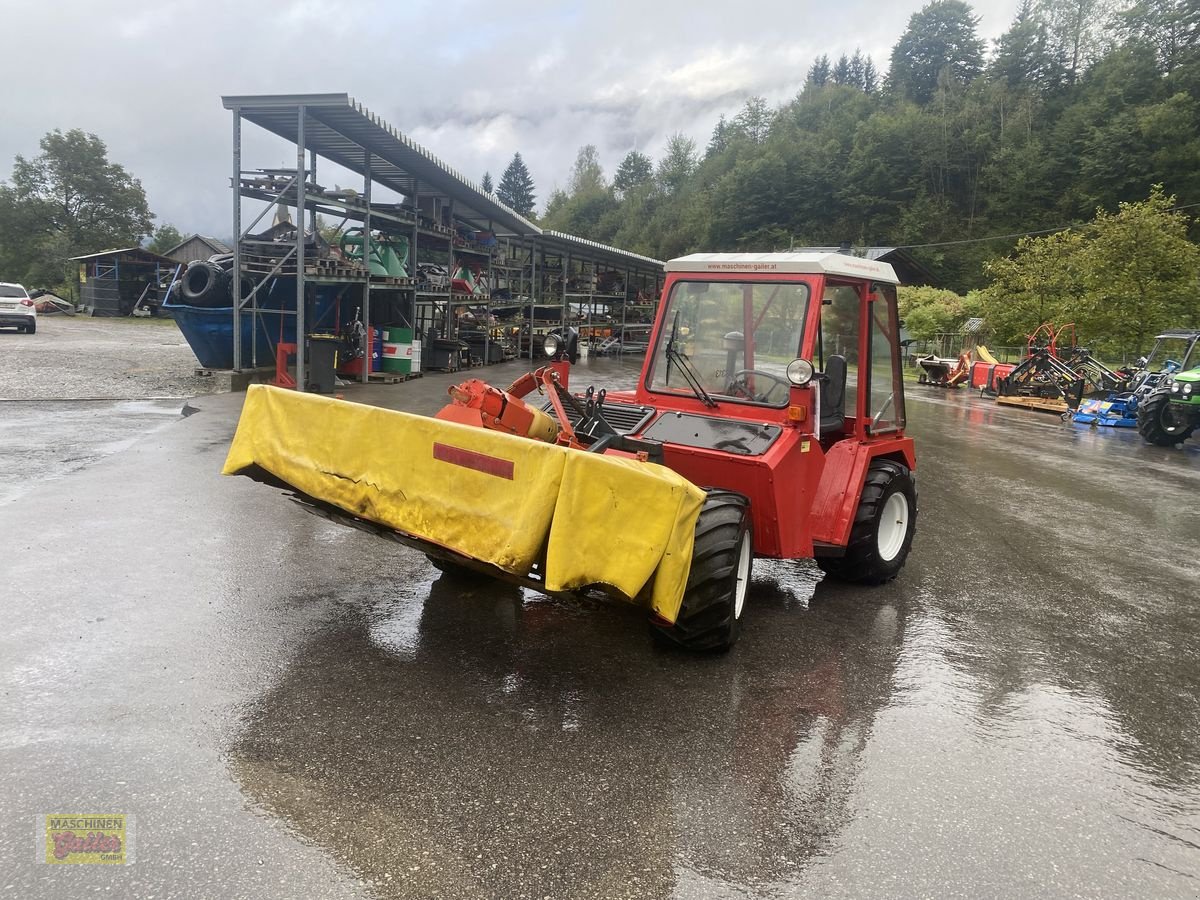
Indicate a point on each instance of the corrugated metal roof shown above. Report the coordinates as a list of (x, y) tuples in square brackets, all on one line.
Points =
[(338, 128), (570, 243)]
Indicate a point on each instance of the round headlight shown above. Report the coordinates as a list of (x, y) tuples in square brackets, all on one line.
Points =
[(1187, 388), (1175, 387), (800, 372), (552, 345)]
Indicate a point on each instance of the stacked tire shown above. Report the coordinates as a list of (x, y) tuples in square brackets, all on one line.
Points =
[(205, 283), (208, 283)]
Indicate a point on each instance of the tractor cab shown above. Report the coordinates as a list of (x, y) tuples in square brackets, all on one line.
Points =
[(779, 376), (809, 341), (1173, 351)]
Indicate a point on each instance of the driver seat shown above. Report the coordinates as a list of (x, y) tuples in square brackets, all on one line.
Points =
[(833, 395)]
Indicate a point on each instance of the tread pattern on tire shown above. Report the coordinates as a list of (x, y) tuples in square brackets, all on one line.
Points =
[(706, 618), (205, 284), (861, 563), (1149, 421)]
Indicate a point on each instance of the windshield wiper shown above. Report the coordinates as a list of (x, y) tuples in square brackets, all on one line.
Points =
[(685, 367)]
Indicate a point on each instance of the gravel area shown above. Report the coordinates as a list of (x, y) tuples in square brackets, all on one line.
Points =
[(81, 358)]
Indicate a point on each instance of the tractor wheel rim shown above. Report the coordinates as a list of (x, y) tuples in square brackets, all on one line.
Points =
[(893, 526), (1172, 421), (742, 584)]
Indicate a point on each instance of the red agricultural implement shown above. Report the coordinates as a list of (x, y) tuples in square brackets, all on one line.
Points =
[(768, 421)]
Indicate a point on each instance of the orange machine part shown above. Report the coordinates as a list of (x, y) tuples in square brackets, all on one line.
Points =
[(477, 403)]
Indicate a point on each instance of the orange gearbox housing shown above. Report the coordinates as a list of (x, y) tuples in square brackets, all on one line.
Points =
[(481, 405)]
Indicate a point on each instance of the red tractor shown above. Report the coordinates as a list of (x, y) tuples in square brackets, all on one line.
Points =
[(772, 383)]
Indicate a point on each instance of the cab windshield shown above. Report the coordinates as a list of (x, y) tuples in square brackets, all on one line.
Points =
[(729, 340)]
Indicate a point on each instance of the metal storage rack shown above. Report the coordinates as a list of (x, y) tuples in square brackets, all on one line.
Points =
[(437, 201)]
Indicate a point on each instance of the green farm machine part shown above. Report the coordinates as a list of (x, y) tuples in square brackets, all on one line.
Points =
[(388, 256), (1171, 412)]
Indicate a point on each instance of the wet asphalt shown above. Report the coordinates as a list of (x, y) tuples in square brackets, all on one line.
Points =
[(294, 709)]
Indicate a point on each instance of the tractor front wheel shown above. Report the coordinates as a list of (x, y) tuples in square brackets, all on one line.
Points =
[(1160, 422), (711, 614), (883, 528)]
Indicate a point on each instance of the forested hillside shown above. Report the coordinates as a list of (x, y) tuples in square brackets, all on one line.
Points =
[(1079, 105)]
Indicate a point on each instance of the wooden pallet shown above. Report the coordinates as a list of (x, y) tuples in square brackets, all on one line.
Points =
[(1041, 404), (391, 377)]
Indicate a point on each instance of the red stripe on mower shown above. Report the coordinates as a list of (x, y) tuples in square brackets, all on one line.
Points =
[(469, 459)]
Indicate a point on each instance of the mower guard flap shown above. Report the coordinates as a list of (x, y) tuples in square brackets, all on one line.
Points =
[(499, 499)]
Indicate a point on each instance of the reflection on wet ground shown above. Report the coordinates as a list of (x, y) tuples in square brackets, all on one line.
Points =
[(489, 739), (1018, 713)]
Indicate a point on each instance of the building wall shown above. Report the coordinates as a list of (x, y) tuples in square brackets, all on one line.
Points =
[(191, 250)]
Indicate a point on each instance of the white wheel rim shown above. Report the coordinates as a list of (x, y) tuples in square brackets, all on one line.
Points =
[(893, 526), (742, 584)]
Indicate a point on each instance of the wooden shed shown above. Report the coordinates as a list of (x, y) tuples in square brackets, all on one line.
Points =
[(113, 282), (197, 247)]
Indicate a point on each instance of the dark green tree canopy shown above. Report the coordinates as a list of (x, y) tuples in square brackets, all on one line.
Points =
[(66, 201), (819, 71), (587, 175), (1171, 27), (954, 176), (635, 170), (516, 187), (678, 162), (719, 142), (941, 39), (1024, 56), (166, 237), (486, 183), (94, 202), (754, 120)]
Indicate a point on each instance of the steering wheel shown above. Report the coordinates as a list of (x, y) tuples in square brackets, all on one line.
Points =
[(875, 419), (739, 385)]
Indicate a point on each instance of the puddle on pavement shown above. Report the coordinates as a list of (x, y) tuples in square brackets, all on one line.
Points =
[(44, 440)]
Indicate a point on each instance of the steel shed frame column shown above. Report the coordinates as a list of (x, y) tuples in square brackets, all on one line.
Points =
[(369, 343), (566, 264), (300, 204), (236, 285)]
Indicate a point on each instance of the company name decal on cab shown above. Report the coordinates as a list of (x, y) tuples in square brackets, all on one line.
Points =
[(97, 840)]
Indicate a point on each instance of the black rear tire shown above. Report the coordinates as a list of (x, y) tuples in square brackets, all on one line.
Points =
[(1157, 423), (869, 558), (711, 613), (31, 326)]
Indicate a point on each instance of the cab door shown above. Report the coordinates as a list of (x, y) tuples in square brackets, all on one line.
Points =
[(883, 374)]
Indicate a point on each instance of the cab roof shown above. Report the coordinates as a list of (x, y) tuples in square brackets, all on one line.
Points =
[(786, 263)]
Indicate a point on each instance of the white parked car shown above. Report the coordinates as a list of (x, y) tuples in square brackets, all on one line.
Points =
[(16, 308)]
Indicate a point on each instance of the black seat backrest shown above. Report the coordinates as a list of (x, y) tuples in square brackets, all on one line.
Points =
[(833, 395)]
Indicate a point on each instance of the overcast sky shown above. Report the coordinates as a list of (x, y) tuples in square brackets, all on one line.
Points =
[(472, 81)]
